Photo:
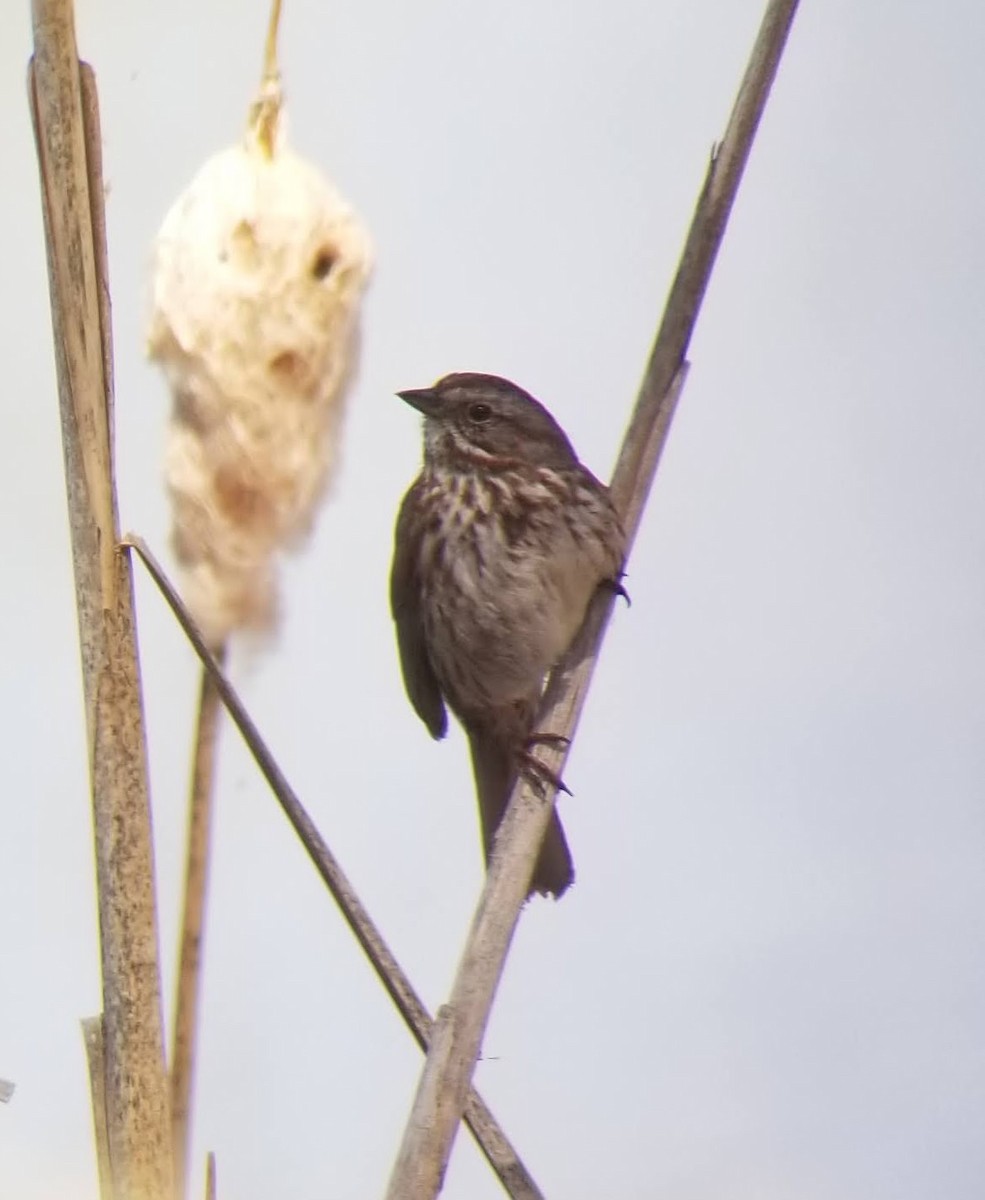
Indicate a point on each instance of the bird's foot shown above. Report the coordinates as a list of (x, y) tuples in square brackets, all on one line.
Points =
[(615, 586), (546, 739), (536, 772)]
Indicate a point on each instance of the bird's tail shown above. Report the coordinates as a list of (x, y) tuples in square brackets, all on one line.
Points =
[(495, 773)]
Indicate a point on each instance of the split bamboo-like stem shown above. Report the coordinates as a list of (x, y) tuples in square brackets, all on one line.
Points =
[(66, 123), (430, 1131), (92, 1035), (492, 1141)]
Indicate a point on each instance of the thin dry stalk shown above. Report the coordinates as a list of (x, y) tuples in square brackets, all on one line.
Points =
[(92, 1035), (65, 115), (269, 101), (210, 1183), (491, 1139), (426, 1146), (198, 854), (201, 799)]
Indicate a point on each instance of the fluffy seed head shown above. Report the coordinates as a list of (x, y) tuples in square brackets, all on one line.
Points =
[(258, 272)]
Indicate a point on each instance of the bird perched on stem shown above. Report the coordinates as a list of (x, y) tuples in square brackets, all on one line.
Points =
[(500, 544)]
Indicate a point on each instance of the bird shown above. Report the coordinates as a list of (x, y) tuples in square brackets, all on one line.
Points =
[(500, 544)]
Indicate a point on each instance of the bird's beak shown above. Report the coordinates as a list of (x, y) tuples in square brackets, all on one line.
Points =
[(425, 400)]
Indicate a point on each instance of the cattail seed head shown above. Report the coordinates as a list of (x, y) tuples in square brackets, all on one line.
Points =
[(258, 273)]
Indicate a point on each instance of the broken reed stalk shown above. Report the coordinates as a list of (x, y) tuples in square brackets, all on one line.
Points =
[(426, 1146), (492, 1141), (92, 1035), (198, 853), (66, 124)]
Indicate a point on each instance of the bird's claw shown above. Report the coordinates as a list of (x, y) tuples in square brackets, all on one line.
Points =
[(615, 586), (547, 739), (538, 773)]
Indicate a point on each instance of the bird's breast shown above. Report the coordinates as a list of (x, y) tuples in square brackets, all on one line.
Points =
[(507, 571)]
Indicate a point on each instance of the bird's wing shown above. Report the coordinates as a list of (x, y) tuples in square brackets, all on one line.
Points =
[(405, 605)]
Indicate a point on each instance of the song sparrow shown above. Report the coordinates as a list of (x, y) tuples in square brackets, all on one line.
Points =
[(500, 544)]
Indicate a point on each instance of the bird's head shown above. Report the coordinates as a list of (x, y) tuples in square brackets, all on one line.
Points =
[(483, 422)]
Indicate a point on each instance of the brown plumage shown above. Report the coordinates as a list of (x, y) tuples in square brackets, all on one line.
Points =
[(500, 544)]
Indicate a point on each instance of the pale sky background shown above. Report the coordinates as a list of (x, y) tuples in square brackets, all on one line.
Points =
[(769, 980)]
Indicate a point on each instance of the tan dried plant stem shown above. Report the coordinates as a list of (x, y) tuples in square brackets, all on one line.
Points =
[(66, 122), (266, 111), (201, 801), (428, 1137), (198, 853), (492, 1141), (210, 1180), (92, 1036)]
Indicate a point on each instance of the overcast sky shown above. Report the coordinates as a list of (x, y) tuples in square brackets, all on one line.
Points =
[(769, 980)]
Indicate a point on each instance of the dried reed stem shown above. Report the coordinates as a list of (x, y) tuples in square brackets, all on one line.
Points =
[(92, 1035), (267, 109), (65, 114), (210, 1181), (491, 1139), (198, 853), (426, 1146), (271, 68)]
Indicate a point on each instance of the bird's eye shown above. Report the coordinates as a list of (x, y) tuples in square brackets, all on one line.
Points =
[(479, 413)]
